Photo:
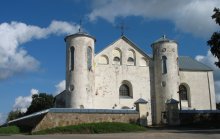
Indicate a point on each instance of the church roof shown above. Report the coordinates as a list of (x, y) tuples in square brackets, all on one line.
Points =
[(80, 34), (123, 37), (140, 100), (162, 39), (172, 101), (189, 64)]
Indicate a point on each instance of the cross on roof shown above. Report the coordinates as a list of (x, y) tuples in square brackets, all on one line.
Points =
[(80, 25), (122, 27)]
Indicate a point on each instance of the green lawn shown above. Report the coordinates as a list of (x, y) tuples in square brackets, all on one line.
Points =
[(92, 128), (9, 130)]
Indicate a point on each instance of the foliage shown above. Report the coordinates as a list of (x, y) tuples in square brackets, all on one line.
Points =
[(9, 130), (91, 128), (214, 42), (218, 106), (40, 102), (14, 115)]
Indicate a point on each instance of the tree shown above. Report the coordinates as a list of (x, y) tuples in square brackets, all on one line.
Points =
[(218, 106), (14, 115), (40, 102), (214, 42)]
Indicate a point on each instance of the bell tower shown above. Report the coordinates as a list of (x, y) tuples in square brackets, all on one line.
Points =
[(79, 70), (166, 74)]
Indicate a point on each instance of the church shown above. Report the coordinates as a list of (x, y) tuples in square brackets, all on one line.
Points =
[(122, 74)]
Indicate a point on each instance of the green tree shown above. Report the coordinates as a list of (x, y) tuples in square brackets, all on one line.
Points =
[(40, 102), (214, 42), (14, 115), (218, 106)]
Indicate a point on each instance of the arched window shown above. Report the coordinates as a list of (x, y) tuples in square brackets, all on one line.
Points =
[(124, 90), (183, 92), (72, 50), (103, 60), (117, 60), (89, 58), (131, 57), (117, 56), (164, 64)]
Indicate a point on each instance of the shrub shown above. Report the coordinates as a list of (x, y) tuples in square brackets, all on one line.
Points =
[(9, 130)]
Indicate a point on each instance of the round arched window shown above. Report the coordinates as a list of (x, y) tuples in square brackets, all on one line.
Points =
[(183, 92), (124, 90)]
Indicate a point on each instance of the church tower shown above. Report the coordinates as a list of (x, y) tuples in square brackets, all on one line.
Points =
[(79, 70), (166, 75)]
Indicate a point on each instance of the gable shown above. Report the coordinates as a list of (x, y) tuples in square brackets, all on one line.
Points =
[(125, 52)]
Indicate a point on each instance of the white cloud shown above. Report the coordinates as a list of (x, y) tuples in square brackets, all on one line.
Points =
[(15, 59), (209, 60), (23, 102), (60, 87), (191, 16), (3, 118)]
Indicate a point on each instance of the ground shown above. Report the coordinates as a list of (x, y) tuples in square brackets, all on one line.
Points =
[(151, 134)]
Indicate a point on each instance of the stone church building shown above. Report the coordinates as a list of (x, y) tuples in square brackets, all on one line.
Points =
[(122, 74)]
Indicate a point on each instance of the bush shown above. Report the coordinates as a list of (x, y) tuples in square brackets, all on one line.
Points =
[(92, 128), (9, 130)]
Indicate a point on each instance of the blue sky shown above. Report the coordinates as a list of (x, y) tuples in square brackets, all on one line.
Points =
[(32, 47)]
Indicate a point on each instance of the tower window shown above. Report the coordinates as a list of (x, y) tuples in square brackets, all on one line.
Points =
[(164, 64), (89, 58), (72, 50), (116, 60), (183, 92), (124, 90)]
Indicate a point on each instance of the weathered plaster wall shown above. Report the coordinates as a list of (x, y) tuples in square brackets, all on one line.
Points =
[(80, 80), (109, 77), (166, 82), (200, 87)]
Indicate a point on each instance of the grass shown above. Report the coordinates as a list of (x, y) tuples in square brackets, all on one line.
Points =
[(93, 128), (9, 130)]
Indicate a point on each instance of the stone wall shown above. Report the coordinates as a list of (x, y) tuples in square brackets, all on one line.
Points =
[(55, 117), (51, 120), (200, 118)]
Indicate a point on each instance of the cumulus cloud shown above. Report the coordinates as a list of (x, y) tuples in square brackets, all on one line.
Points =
[(15, 59), (60, 87), (23, 102), (209, 60), (191, 16)]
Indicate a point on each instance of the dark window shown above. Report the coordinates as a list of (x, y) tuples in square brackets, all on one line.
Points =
[(183, 92), (117, 59), (72, 49), (89, 58), (124, 90), (164, 64), (130, 59)]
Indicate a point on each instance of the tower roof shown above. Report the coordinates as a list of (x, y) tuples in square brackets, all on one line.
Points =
[(78, 34), (163, 39)]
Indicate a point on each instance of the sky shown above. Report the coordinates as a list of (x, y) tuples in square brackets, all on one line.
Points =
[(32, 47)]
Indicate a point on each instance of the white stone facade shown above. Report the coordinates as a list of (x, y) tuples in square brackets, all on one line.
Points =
[(119, 75)]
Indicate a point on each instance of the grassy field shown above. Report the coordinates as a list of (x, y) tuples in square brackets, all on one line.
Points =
[(9, 130), (92, 128)]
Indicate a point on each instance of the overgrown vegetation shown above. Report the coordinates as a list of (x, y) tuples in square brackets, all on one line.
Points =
[(9, 130), (14, 115), (40, 102), (214, 42), (92, 128)]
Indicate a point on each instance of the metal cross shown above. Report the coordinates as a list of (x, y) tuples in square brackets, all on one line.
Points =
[(80, 25), (122, 27)]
